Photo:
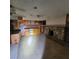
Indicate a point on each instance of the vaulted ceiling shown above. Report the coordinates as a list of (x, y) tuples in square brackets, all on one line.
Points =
[(50, 9)]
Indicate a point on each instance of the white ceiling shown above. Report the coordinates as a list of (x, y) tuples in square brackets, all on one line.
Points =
[(51, 9)]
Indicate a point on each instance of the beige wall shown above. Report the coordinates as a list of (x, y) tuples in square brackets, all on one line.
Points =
[(56, 21)]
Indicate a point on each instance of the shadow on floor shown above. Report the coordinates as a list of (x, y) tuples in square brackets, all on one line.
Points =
[(54, 50), (62, 42)]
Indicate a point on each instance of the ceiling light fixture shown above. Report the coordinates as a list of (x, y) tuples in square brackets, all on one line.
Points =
[(35, 7)]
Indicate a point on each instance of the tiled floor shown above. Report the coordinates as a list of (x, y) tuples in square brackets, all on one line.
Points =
[(33, 47), (55, 50)]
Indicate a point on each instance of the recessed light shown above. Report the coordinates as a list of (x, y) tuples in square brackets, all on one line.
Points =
[(35, 7)]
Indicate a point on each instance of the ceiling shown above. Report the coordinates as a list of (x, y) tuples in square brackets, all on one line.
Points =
[(50, 9)]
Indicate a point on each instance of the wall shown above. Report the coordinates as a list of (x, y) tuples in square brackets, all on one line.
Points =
[(58, 21)]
